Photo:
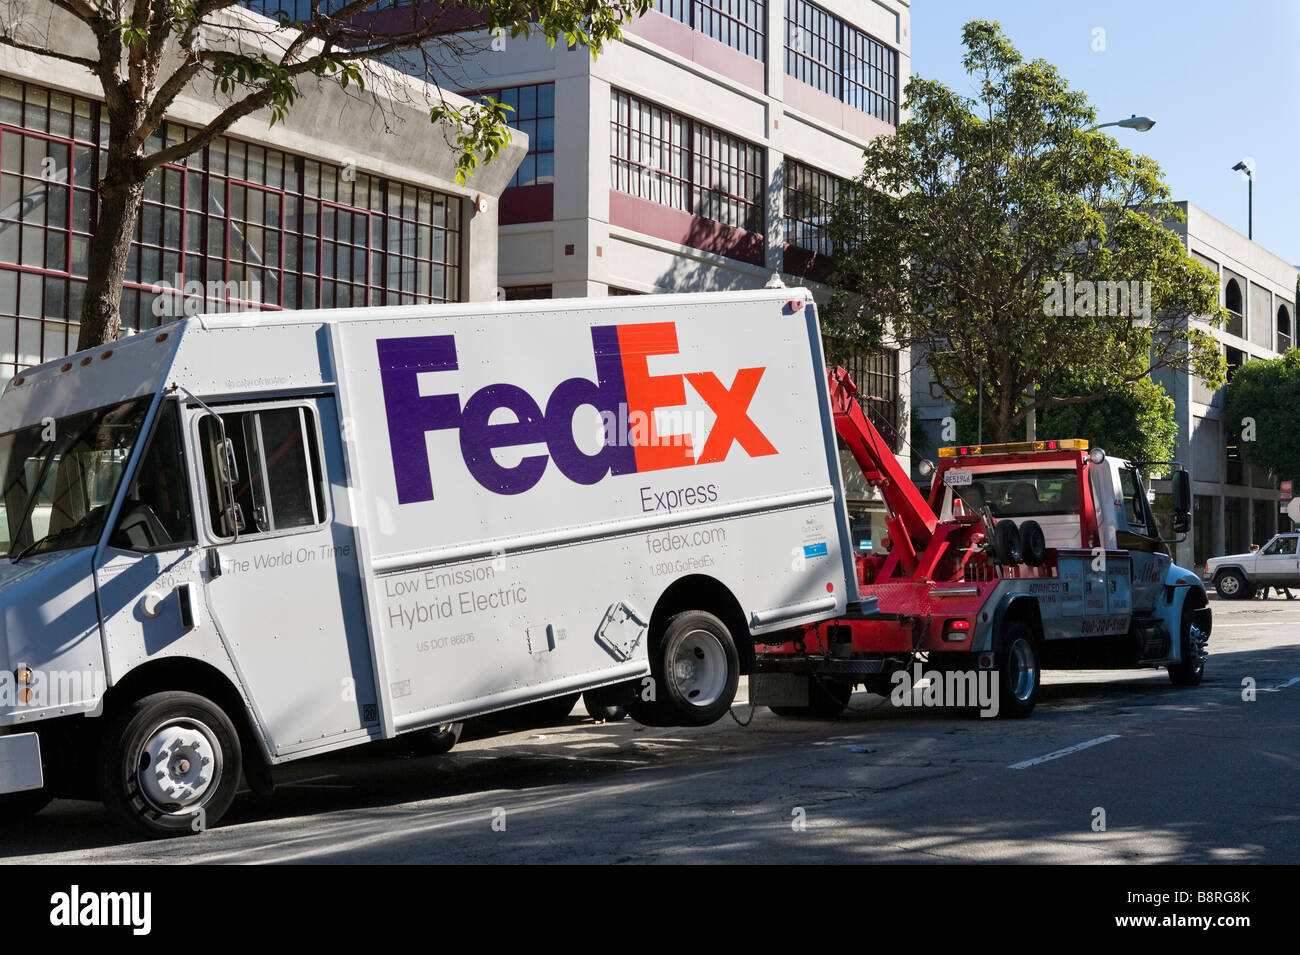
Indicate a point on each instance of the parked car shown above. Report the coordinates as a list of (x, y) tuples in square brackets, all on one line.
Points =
[(1239, 576)]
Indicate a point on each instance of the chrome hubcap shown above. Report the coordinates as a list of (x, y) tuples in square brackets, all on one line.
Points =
[(699, 668), (1022, 670), (177, 765), (1229, 585)]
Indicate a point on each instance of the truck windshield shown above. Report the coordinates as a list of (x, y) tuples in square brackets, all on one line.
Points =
[(1022, 493), (60, 476)]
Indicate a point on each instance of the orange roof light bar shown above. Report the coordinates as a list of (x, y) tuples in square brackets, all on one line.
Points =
[(1013, 447)]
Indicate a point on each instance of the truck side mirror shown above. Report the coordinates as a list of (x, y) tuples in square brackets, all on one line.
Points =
[(1181, 487)]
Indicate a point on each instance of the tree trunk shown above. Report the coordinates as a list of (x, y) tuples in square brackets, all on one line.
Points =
[(120, 193)]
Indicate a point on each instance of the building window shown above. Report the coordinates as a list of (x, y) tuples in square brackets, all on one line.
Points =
[(672, 160), (1232, 301), (240, 224), (841, 61), (741, 24), (876, 376), (534, 114), (810, 195), (1283, 328), (519, 293)]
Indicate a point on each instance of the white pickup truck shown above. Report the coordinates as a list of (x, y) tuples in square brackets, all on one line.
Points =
[(1239, 576)]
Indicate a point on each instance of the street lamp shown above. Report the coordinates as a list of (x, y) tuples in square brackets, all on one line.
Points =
[(1140, 123), (1247, 167)]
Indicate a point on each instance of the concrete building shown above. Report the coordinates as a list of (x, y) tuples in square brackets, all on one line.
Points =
[(702, 152), (352, 201), (1234, 504)]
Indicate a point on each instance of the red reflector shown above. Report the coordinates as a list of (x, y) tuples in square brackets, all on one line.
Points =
[(830, 587)]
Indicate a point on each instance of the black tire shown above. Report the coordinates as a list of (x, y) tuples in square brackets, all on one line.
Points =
[(1033, 543), (192, 728), (545, 712), (1190, 669), (17, 807), (1232, 585), (827, 698), (601, 710), (437, 740), (696, 670), (1019, 673), (1006, 542)]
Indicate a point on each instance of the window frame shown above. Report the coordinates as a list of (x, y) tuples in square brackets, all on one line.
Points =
[(318, 472), (184, 483)]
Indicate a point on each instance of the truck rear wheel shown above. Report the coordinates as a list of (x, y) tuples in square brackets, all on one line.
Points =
[(436, 740), (169, 764), (696, 670), (1019, 674)]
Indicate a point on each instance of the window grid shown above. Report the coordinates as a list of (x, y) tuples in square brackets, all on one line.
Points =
[(533, 114), (841, 60), (669, 159), (231, 215), (740, 24), (810, 197), (876, 376)]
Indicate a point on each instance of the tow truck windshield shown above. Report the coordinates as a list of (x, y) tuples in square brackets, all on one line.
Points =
[(60, 476), (1031, 493)]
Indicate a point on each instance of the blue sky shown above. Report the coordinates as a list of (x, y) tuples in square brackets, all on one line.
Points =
[(1222, 81)]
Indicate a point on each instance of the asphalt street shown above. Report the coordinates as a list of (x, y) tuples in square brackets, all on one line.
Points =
[(1115, 766)]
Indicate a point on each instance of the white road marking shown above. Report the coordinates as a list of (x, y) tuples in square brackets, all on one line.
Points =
[(1064, 752)]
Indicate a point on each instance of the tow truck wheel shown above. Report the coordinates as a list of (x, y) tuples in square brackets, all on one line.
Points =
[(1191, 666), (696, 671), (1019, 674), (169, 764), (1231, 585)]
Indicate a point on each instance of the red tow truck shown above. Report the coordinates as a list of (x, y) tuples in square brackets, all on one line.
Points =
[(1024, 556)]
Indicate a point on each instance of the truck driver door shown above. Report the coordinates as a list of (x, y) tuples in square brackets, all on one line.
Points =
[(287, 593)]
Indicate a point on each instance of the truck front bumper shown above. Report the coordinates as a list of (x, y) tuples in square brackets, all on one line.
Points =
[(20, 763)]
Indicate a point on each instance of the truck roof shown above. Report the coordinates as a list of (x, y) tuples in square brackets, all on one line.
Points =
[(253, 351)]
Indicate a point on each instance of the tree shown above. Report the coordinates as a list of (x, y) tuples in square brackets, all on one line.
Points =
[(1262, 398), (1006, 239), (145, 53)]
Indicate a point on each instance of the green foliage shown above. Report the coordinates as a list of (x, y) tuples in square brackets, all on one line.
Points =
[(1135, 421), (1261, 412), (964, 223)]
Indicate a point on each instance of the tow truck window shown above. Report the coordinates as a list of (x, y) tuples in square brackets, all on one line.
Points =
[(1134, 511), (156, 511), (1022, 493), (279, 485)]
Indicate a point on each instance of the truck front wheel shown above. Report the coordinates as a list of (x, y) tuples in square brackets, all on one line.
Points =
[(1190, 668), (169, 764), (1019, 674), (696, 670)]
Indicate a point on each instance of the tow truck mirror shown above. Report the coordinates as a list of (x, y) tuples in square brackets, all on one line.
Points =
[(1181, 491)]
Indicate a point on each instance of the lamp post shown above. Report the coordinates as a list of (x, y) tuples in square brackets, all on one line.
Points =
[(1140, 123), (1247, 167)]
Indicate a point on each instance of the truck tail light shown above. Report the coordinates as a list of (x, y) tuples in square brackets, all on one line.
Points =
[(957, 630)]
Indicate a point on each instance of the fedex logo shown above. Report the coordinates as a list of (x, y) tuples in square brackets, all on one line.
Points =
[(622, 383)]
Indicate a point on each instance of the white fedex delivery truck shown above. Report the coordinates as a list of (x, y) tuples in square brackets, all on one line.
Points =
[(235, 541)]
